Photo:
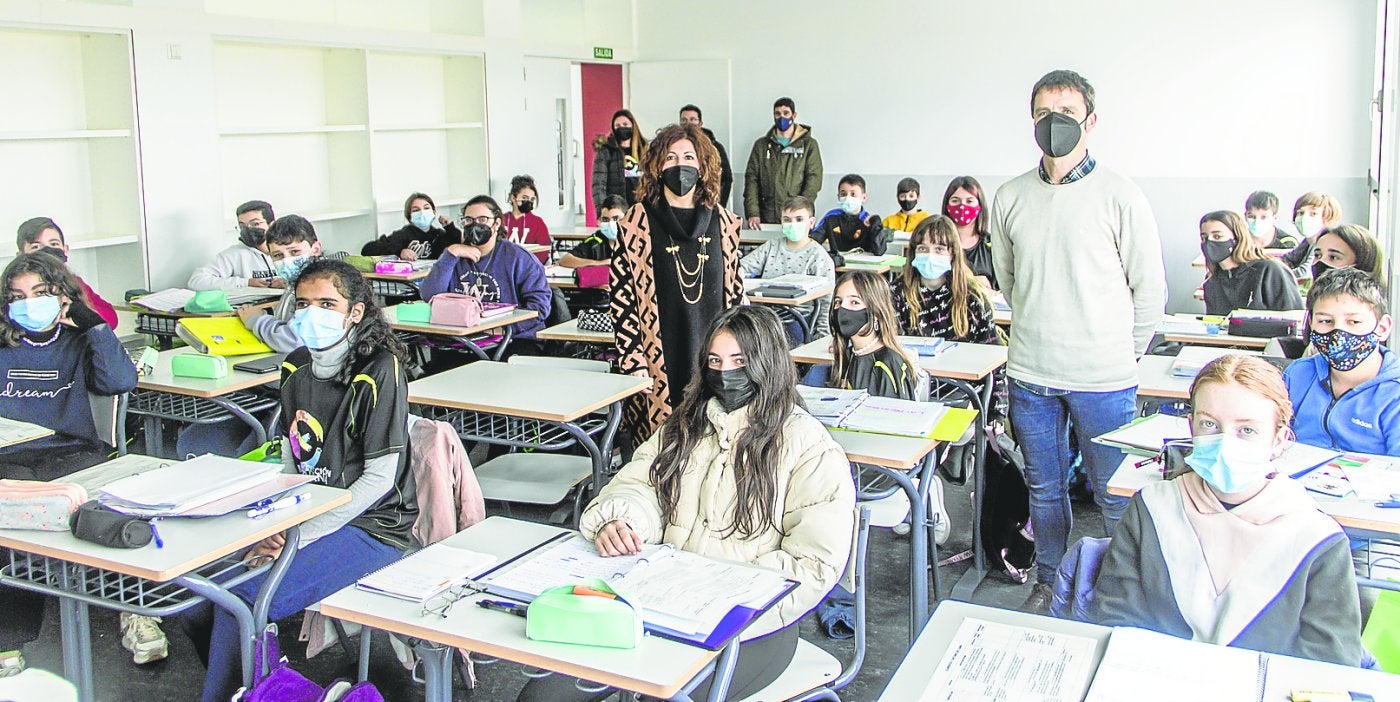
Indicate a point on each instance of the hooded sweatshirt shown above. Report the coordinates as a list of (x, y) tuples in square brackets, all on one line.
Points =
[(1253, 285), (507, 274), (1365, 419), (232, 268), (776, 173), (427, 244), (843, 232)]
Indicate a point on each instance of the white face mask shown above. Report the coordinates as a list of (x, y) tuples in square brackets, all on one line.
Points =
[(851, 205), (1308, 225)]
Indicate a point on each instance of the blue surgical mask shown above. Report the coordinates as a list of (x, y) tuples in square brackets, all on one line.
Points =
[(423, 219), (1253, 225), (289, 268), (318, 327), (851, 205), (932, 266), (1230, 464), (795, 231), (609, 229), (35, 313)]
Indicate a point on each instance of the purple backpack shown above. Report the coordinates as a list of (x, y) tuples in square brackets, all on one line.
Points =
[(282, 684)]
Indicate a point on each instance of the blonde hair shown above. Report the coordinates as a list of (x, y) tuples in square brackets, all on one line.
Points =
[(939, 229), (1331, 208), (875, 292), (1246, 248), (1251, 373)]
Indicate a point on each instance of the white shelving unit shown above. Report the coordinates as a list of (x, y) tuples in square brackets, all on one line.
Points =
[(67, 139)]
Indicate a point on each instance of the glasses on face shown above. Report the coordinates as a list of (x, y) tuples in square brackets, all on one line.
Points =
[(441, 604), (484, 220)]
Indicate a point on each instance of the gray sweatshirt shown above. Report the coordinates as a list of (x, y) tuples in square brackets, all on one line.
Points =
[(774, 258)]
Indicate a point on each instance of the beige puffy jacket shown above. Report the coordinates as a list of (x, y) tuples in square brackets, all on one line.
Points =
[(816, 513)]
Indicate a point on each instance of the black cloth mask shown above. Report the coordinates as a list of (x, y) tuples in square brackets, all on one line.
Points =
[(252, 237), (526, 205), (1320, 267), (680, 179), (733, 388), (908, 205), (1057, 134), (850, 322), (1217, 251), (477, 234), (622, 134)]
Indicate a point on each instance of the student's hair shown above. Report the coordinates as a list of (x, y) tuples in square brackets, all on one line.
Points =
[(962, 283), (692, 108), (521, 182), (256, 205), (706, 191), (51, 271), (1261, 200), (852, 179), (1246, 248), (1349, 281), (639, 142), (487, 200), (30, 229), (907, 185), (1364, 246), (1253, 374), (983, 224), (1331, 208), (759, 448), (800, 202), (408, 205), (1064, 80), (613, 202), (875, 291), (785, 102), (290, 229), (372, 333)]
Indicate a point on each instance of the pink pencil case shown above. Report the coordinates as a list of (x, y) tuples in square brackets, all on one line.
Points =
[(394, 267), (37, 504)]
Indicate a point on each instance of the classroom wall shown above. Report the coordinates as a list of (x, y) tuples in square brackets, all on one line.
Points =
[(1199, 101)]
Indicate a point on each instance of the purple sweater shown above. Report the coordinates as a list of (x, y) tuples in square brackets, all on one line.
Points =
[(507, 274)]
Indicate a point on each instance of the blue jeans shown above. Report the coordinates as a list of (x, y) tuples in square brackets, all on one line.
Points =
[(320, 569), (1042, 418)]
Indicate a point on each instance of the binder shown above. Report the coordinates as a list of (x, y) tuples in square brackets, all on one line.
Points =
[(220, 336)]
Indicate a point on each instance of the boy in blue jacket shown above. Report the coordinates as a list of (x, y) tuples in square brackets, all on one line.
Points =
[(489, 267), (1347, 397)]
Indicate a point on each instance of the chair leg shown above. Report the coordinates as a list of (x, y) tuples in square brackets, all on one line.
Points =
[(362, 673)]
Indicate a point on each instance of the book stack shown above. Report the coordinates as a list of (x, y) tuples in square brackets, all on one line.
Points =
[(491, 310)]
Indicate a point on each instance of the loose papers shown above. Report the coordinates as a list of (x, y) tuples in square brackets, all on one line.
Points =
[(987, 661)]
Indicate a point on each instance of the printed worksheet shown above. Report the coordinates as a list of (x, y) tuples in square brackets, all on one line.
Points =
[(987, 661), (565, 563)]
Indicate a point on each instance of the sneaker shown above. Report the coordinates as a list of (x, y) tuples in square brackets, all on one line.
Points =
[(11, 663), (143, 637), (1039, 601), (938, 514)]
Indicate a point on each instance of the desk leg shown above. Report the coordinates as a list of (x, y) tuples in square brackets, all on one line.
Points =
[(724, 672), (598, 456), (437, 671), (77, 644), (221, 597), (918, 550), (258, 429), (154, 439), (505, 343), (967, 584)]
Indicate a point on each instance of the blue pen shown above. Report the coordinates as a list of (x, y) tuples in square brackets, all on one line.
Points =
[(507, 607), (1392, 503), (155, 533), (284, 503)]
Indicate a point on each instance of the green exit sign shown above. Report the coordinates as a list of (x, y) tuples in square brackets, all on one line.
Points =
[(602, 52)]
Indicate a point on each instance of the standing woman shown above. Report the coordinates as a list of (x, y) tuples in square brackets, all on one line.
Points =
[(617, 159), (521, 225), (962, 203), (1239, 275), (676, 267)]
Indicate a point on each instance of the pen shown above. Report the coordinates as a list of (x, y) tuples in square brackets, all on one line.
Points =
[(507, 607), (155, 533), (289, 501)]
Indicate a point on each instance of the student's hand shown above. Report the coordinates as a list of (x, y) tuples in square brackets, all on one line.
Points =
[(267, 549), (471, 253), (65, 315), (247, 312), (872, 222), (643, 374), (259, 282), (444, 220), (753, 223), (617, 539), (408, 255), (278, 283)]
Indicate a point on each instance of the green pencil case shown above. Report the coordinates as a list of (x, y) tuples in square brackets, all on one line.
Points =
[(198, 365), (560, 616), (414, 312), (363, 264)]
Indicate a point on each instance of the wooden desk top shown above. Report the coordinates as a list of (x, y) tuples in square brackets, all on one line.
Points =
[(1155, 379), (962, 361), (802, 299), (897, 452), (569, 331), (518, 315), (533, 392), (265, 305), (163, 380)]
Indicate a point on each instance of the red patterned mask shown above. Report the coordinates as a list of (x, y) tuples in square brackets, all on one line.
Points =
[(964, 215)]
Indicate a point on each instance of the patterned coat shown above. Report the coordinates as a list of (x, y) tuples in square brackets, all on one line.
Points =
[(636, 321)]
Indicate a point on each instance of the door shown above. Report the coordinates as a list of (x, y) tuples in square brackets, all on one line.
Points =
[(656, 91), (548, 94)]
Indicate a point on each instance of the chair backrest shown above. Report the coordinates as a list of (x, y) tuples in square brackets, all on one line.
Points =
[(580, 364), (1075, 579), (854, 581), (109, 416)]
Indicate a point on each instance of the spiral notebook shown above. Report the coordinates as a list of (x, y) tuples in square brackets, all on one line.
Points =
[(426, 573)]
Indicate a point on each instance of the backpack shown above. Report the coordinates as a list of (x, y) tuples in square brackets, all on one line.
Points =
[(1007, 538), (282, 684)]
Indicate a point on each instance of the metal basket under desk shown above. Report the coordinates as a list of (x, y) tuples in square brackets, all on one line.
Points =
[(1377, 562), (196, 410), (512, 431)]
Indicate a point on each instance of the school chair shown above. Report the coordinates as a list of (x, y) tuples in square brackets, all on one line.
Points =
[(109, 417), (1075, 578), (813, 673)]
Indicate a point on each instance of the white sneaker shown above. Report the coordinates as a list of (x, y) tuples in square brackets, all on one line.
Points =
[(938, 513), (143, 637), (11, 663)]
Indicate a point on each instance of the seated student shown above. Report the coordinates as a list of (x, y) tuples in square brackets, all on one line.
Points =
[(490, 267), (1348, 246), (1312, 213), (1261, 216), (425, 236), (521, 225), (345, 406), (741, 472), (244, 264), (1239, 275), (795, 253), (292, 245), (43, 234), (962, 203), (909, 214), (850, 227), (1347, 396), (1233, 553), (865, 348), (597, 249), (936, 294)]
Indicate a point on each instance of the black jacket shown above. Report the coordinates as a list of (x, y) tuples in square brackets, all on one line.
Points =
[(608, 167), (429, 244), (726, 173)]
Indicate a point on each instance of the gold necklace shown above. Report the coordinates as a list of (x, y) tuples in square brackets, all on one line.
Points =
[(697, 275)]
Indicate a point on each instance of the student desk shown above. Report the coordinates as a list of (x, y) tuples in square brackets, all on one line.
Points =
[(413, 276), (504, 323), (805, 321), (750, 239), (1155, 379), (658, 667), (162, 395), (161, 325), (530, 406), (881, 268), (569, 331), (201, 560), (571, 284), (902, 459), (1189, 329)]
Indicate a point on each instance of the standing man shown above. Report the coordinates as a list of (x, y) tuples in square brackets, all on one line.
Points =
[(1075, 248), (690, 114), (786, 162)]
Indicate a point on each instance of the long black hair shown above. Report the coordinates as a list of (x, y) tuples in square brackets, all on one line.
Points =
[(372, 333), (759, 446)]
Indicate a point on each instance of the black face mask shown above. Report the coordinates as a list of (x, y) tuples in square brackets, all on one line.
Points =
[(477, 234), (850, 322), (55, 252), (1321, 267), (907, 205), (1057, 134), (526, 205), (733, 388), (1217, 251), (622, 134), (680, 179), (252, 237)]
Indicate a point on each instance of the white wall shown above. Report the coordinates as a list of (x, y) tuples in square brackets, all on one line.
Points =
[(1199, 101)]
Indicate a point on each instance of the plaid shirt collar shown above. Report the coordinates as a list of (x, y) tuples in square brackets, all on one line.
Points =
[(1084, 168)]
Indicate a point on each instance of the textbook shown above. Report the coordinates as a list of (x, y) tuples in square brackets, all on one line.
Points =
[(491, 310), (926, 345), (220, 336), (857, 410), (426, 573), (13, 431), (1145, 436), (1192, 359), (190, 488)]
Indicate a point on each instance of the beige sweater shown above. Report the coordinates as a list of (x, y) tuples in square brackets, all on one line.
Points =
[(817, 509), (1081, 265)]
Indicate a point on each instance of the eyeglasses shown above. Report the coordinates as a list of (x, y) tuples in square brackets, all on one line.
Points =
[(441, 604), (484, 220)]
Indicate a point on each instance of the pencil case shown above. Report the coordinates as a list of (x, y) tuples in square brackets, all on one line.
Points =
[(414, 312), (38, 504), (106, 527), (394, 267), (560, 616), (363, 264), (198, 365)]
